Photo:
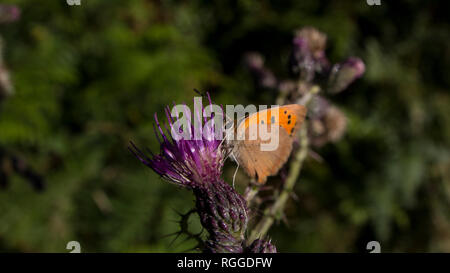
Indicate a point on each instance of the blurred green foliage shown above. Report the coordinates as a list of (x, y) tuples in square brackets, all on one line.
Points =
[(89, 78)]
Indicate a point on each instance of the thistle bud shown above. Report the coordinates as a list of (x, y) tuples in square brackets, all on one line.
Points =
[(336, 124), (263, 76), (6, 87), (343, 74), (327, 124), (287, 87), (223, 212), (261, 246), (9, 13), (318, 107)]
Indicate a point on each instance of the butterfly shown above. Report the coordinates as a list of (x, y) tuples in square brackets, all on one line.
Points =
[(259, 163)]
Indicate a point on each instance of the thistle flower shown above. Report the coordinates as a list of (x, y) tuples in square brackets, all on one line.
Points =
[(316, 40), (197, 165), (308, 53), (343, 74), (185, 162), (301, 61)]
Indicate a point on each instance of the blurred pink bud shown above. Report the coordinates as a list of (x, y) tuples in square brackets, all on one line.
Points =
[(263, 76), (343, 74), (6, 88), (9, 13)]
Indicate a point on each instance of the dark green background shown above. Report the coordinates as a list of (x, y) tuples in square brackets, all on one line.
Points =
[(88, 79)]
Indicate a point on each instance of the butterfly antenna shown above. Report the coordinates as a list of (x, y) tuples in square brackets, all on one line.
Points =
[(202, 94)]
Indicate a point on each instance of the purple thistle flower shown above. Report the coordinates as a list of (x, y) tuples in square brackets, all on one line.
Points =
[(308, 53), (185, 162), (197, 165), (301, 60)]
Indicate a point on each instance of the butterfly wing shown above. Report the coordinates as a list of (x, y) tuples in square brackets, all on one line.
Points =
[(256, 162), (261, 164)]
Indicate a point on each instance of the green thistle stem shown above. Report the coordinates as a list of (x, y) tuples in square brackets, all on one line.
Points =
[(274, 211)]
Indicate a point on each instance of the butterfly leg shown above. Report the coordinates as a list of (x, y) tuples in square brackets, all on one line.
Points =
[(237, 168)]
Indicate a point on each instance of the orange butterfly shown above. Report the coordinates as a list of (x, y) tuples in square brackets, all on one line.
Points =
[(257, 162)]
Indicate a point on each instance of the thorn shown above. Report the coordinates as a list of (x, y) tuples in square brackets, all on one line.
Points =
[(197, 247), (170, 234), (177, 212), (266, 188), (176, 237), (315, 156), (284, 219), (199, 92), (294, 196), (267, 198), (187, 239)]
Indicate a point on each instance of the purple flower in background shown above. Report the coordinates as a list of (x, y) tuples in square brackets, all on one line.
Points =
[(301, 60), (263, 76), (197, 165), (9, 13), (308, 53)]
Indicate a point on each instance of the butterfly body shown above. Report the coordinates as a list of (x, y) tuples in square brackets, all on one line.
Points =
[(283, 122)]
